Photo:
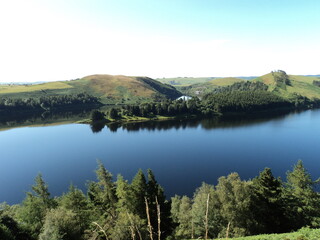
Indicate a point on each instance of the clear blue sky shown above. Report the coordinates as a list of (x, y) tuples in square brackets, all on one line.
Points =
[(58, 39)]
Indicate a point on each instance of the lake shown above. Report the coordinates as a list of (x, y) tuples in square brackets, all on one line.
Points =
[(182, 154)]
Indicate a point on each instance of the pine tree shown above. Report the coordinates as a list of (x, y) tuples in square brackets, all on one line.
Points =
[(41, 191), (124, 195), (106, 185), (35, 206), (302, 197), (139, 192), (76, 201), (268, 201), (155, 193)]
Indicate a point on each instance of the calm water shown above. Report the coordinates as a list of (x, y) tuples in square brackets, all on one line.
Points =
[(182, 154)]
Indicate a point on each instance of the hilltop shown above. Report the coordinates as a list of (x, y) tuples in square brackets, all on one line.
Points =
[(277, 82), (111, 89), (289, 86)]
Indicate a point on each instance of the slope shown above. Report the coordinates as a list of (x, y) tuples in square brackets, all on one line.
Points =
[(111, 89), (289, 86), (201, 89)]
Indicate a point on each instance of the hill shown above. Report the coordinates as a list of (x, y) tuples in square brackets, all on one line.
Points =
[(187, 81), (201, 89), (277, 82), (109, 88), (184, 81), (289, 86)]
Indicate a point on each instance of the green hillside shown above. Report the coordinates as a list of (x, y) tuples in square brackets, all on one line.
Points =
[(201, 89), (184, 81), (278, 82), (289, 86), (111, 89)]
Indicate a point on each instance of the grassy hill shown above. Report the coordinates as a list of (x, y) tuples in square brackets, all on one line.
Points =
[(201, 89), (302, 85), (287, 86), (111, 89), (187, 81), (184, 81)]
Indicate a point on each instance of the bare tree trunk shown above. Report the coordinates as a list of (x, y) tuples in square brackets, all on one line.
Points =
[(159, 219), (132, 227), (148, 216), (139, 233), (192, 229), (206, 220), (133, 235), (101, 230), (227, 232)]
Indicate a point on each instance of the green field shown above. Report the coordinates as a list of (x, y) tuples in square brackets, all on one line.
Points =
[(184, 81), (201, 89)]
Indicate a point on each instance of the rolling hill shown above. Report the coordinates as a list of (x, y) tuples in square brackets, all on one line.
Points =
[(289, 86), (184, 81), (278, 82), (109, 88), (201, 89)]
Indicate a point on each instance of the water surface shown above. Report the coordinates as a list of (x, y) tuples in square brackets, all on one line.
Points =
[(182, 154)]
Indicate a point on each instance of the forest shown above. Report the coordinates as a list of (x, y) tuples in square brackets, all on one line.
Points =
[(239, 98), (140, 210), (47, 103)]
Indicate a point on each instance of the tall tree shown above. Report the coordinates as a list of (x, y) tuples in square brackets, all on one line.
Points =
[(35, 206), (302, 197), (182, 216), (155, 194), (269, 201), (235, 198), (139, 192), (102, 193), (199, 208), (76, 201)]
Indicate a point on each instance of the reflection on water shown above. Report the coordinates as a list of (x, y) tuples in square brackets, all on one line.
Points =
[(13, 120), (182, 153), (205, 123), (30, 119)]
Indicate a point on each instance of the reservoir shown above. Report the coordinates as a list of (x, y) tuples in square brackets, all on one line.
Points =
[(182, 154)]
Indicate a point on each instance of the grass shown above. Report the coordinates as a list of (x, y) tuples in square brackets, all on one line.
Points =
[(201, 89), (302, 234), (118, 86), (184, 81), (301, 85), (33, 88), (222, 82), (111, 89)]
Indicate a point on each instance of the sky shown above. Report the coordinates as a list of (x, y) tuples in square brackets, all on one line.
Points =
[(49, 40)]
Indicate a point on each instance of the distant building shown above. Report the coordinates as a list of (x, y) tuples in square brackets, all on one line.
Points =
[(184, 98)]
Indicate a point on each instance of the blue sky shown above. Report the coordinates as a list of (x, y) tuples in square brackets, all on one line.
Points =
[(45, 40)]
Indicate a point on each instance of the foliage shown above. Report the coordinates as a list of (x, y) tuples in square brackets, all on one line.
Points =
[(47, 103), (97, 115), (59, 224), (244, 101), (117, 210)]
